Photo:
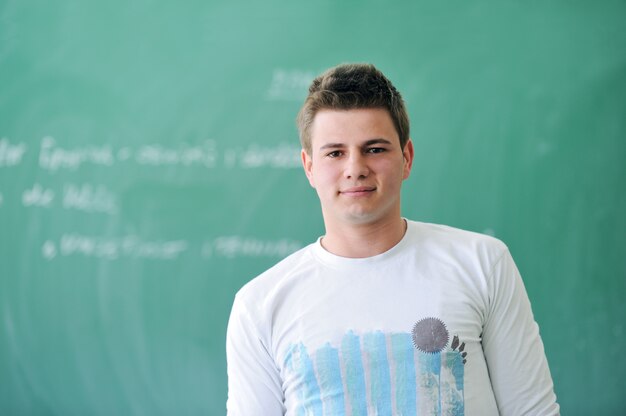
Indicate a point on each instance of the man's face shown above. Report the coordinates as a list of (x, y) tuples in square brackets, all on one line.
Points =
[(357, 166)]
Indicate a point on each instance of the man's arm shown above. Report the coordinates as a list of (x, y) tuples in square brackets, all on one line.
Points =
[(254, 386), (517, 364)]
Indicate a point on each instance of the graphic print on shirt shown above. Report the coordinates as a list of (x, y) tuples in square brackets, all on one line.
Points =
[(381, 374)]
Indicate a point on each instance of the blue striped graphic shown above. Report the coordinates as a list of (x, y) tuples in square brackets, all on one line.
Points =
[(329, 375), (454, 394), (380, 380), (355, 375), (406, 386), (402, 380), (300, 363), (429, 384)]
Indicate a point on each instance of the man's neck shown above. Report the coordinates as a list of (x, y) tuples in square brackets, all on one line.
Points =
[(363, 240)]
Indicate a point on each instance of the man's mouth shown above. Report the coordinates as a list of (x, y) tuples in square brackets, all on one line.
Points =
[(358, 190)]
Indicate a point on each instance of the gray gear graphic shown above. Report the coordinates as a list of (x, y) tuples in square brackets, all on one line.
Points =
[(430, 335)]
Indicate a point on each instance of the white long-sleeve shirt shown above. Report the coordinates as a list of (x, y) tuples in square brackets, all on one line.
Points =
[(438, 325)]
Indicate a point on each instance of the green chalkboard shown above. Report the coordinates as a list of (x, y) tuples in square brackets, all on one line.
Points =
[(149, 167)]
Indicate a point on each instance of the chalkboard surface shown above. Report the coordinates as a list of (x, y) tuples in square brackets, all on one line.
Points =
[(149, 167)]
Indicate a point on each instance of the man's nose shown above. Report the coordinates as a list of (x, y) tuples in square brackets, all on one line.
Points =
[(356, 166)]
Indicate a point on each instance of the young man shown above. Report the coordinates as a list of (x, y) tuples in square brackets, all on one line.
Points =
[(382, 315)]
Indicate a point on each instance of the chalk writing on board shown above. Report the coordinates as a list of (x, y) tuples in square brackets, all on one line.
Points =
[(132, 246), (184, 155), (11, 154), (282, 156), (89, 198), (238, 246), (113, 248), (38, 196), (53, 157), (86, 197), (289, 85), (49, 250)]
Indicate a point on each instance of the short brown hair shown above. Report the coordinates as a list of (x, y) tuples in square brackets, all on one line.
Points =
[(348, 87)]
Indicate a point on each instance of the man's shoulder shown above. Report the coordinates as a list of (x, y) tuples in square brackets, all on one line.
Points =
[(445, 237)]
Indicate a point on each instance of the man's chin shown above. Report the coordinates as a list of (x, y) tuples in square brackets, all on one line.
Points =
[(361, 217)]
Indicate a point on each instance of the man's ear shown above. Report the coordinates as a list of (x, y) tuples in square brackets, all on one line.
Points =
[(307, 164), (408, 154)]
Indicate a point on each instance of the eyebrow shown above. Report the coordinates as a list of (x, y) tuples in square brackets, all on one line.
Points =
[(367, 143)]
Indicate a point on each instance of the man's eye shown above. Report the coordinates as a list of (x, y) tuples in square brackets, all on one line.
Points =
[(376, 150), (335, 153)]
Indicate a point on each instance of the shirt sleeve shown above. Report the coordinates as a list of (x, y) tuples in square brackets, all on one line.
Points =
[(254, 386), (515, 356)]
